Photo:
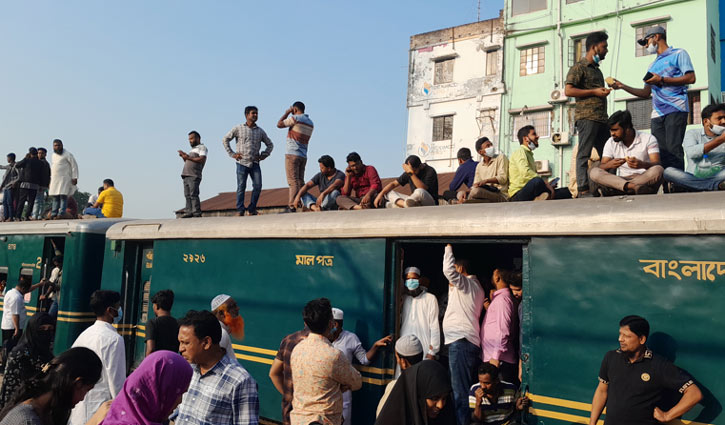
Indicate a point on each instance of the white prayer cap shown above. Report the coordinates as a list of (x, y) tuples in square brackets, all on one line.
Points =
[(408, 345), (337, 314), (218, 301), (415, 270)]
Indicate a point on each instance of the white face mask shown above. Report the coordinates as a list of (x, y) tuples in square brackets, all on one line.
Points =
[(717, 130), (651, 49), (532, 146), (490, 152)]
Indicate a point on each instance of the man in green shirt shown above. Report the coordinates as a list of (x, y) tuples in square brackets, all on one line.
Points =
[(524, 183)]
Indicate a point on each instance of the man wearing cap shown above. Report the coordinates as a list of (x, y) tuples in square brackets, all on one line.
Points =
[(227, 312), (408, 351), (419, 315), (350, 345), (667, 80)]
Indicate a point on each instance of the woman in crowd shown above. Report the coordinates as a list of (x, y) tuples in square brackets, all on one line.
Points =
[(29, 356), (152, 391), (48, 398), (421, 396)]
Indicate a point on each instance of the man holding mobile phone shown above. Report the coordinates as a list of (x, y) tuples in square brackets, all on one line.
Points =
[(666, 80), (298, 137)]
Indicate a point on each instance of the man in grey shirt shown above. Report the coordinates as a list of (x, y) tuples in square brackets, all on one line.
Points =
[(249, 138), (191, 174)]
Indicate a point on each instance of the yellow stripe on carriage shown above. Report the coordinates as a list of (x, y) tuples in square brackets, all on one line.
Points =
[(255, 349), (76, 313)]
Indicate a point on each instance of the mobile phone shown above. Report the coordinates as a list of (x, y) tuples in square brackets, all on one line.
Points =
[(647, 76), (554, 182)]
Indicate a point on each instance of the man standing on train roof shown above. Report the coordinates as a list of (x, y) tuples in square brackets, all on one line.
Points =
[(31, 169), (666, 81), (419, 314), (227, 312), (461, 329), (632, 379), (298, 138), (9, 187), (191, 174), (249, 137), (350, 345), (423, 181), (44, 184), (63, 179)]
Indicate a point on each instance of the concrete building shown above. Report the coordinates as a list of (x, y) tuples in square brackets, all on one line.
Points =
[(454, 90), (545, 37)]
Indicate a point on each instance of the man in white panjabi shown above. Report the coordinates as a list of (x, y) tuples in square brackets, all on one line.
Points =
[(419, 315), (63, 179)]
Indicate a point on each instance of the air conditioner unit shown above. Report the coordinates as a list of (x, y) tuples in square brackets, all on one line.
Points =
[(561, 138), (557, 96), (542, 168)]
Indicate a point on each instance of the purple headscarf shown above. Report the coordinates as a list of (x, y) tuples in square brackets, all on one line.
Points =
[(151, 391)]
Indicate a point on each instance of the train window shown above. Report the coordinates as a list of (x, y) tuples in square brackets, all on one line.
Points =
[(27, 275), (3, 279)]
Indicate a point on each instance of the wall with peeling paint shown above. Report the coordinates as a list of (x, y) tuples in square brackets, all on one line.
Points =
[(472, 97)]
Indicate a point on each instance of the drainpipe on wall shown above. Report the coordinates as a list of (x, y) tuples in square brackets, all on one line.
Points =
[(562, 106)]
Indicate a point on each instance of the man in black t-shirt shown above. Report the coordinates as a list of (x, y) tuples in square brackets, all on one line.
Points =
[(162, 332), (423, 181), (329, 181), (632, 379)]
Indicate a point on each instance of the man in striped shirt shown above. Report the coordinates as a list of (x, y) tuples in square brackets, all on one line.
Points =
[(492, 401), (298, 137)]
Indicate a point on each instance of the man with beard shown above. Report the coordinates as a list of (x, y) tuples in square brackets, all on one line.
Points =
[(419, 315), (63, 179), (632, 379), (491, 400), (226, 310)]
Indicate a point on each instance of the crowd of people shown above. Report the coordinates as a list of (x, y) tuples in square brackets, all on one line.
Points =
[(26, 184)]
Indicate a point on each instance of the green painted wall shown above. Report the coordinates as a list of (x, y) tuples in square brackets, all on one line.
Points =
[(579, 289)]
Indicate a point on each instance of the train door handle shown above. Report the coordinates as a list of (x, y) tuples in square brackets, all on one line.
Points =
[(525, 357)]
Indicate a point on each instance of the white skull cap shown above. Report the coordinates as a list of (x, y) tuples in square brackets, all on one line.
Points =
[(408, 345), (337, 314), (219, 300), (415, 270)]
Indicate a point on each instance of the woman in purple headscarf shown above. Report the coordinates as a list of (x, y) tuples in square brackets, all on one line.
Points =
[(152, 391)]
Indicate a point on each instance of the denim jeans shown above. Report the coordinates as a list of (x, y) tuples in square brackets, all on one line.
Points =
[(39, 203), (59, 205), (463, 361), (8, 210), (679, 177), (329, 203), (94, 211), (242, 173)]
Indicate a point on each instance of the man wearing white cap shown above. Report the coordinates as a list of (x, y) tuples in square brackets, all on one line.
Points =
[(408, 351), (419, 315), (350, 345), (224, 306)]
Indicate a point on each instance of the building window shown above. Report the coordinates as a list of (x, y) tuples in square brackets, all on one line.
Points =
[(695, 115), (641, 110), (443, 71), (532, 61), (713, 48), (640, 33), (577, 50), (443, 128), (519, 7), (492, 62), (541, 120)]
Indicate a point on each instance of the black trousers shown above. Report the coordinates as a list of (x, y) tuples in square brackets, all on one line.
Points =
[(29, 196), (592, 134), (669, 131), (536, 187), (9, 341)]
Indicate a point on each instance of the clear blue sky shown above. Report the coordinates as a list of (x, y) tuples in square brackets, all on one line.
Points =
[(122, 83)]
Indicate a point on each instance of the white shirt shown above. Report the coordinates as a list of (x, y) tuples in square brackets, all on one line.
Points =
[(643, 145), (420, 318), (14, 304), (62, 171), (465, 301), (226, 342), (104, 340), (350, 345), (56, 276)]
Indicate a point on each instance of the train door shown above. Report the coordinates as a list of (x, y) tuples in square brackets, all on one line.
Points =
[(53, 248), (135, 292)]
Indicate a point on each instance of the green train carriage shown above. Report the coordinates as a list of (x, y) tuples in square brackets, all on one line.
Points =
[(27, 249), (585, 263)]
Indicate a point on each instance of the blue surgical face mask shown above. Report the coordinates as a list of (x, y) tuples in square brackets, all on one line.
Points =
[(596, 59), (117, 319), (412, 284)]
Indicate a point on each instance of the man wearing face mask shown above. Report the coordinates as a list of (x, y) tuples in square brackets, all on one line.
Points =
[(491, 182), (705, 151), (666, 80), (526, 185), (585, 82), (630, 162), (104, 340), (419, 315)]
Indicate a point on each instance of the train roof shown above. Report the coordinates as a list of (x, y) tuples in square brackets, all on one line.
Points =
[(55, 227), (682, 213)]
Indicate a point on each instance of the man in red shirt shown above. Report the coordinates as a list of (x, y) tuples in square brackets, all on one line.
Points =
[(363, 180)]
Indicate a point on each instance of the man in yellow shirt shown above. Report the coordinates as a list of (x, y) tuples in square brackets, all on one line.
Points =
[(109, 203), (524, 183)]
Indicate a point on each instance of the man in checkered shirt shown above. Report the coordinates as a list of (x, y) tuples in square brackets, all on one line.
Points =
[(221, 390), (249, 138)]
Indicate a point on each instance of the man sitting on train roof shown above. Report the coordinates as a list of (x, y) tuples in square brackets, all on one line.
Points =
[(525, 183), (109, 203), (464, 175), (419, 315), (630, 160), (361, 179), (705, 151), (491, 182), (329, 180), (423, 181), (227, 311)]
